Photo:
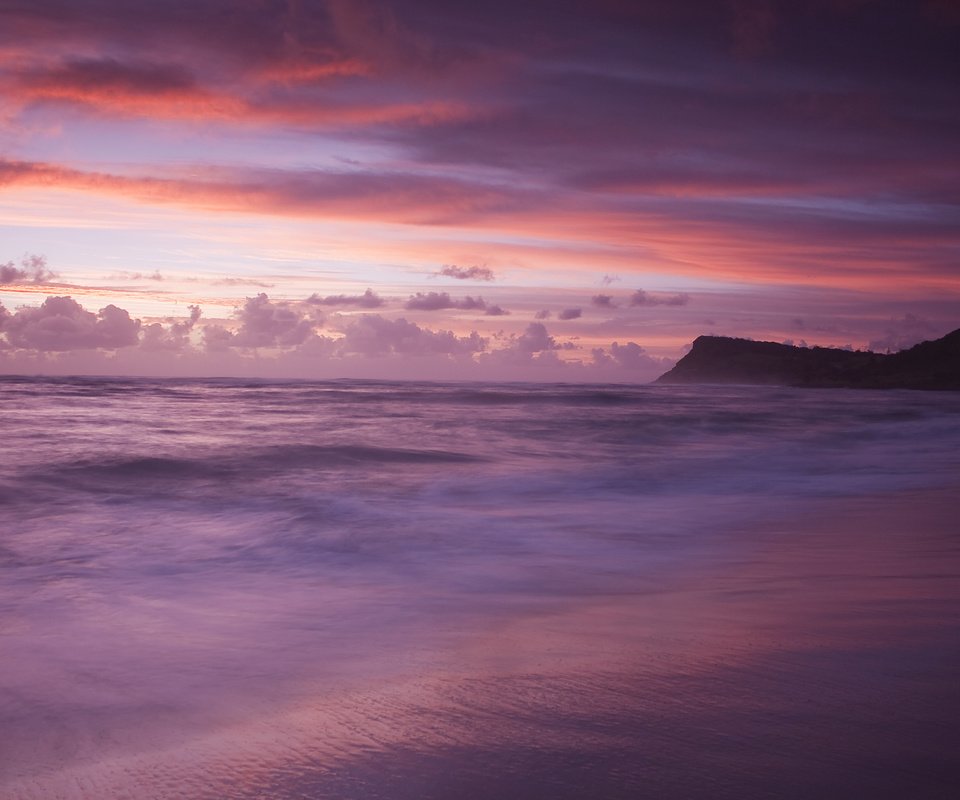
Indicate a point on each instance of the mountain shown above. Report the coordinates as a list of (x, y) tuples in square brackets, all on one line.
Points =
[(720, 359)]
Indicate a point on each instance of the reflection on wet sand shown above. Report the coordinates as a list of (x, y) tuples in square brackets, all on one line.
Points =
[(815, 657)]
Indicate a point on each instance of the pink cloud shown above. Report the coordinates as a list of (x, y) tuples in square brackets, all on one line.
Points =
[(642, 298), (535, 339), (61, 323), (287, 329), (436, 301), (401, 197), (369, 299), (372, 335), (264, 323), (173, 337), (32, 269), (471, 273)]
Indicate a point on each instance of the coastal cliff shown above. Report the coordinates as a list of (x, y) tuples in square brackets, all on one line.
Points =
[(719, 359)]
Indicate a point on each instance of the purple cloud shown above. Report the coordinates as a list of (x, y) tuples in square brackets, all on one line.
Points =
[(373, 335), (642, 298), (603, 301), (264, 323), (32, 269), (369, 299), (99, 74), (61, 324), (570, 313), (174, 337), (472, 273), (631, 355), (125, 275), (437, 301), (535, 339), (904, 333)]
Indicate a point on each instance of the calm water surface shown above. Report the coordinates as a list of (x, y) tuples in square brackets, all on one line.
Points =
[(223, 589)]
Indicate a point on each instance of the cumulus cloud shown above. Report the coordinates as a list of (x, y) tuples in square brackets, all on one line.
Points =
[(437, 301), (265, 323), (535, 339), (367, 344), (216, 338), (904, 333), (630, 358), (642, 298), (630, 355), (369, 299), (373, 335), (570, 313), (535, 347), (174, 337), (603, 301), (471, 273), (543, 313), (32, 269), (62, 324)]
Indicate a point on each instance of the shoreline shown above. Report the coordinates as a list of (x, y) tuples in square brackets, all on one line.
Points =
[(823, 639)]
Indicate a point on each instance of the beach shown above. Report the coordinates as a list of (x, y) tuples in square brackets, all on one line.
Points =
[(483, 591)]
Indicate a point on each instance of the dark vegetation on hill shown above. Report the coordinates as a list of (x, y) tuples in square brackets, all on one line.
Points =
[(719, 359)]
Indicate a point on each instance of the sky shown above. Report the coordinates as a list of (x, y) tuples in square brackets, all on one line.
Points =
[(434, 190)]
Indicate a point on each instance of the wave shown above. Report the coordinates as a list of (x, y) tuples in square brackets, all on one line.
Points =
[(227, 465)]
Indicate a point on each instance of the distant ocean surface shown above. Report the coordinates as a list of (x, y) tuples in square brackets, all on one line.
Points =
[(233, 589)]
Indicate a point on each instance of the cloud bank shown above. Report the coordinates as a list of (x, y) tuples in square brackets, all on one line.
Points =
[(291, 338)]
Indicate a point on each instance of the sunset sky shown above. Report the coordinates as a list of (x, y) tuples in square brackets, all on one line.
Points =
[(426, 189)]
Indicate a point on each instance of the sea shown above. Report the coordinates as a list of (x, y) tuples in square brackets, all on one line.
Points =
[(351, 589)]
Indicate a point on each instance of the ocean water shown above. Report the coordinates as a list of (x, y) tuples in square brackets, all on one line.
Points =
[(234, 589)]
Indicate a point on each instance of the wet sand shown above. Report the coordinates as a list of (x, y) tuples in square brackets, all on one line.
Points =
[(815, 655)]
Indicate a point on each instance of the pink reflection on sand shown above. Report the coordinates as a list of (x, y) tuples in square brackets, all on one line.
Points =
[(779, 620)]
